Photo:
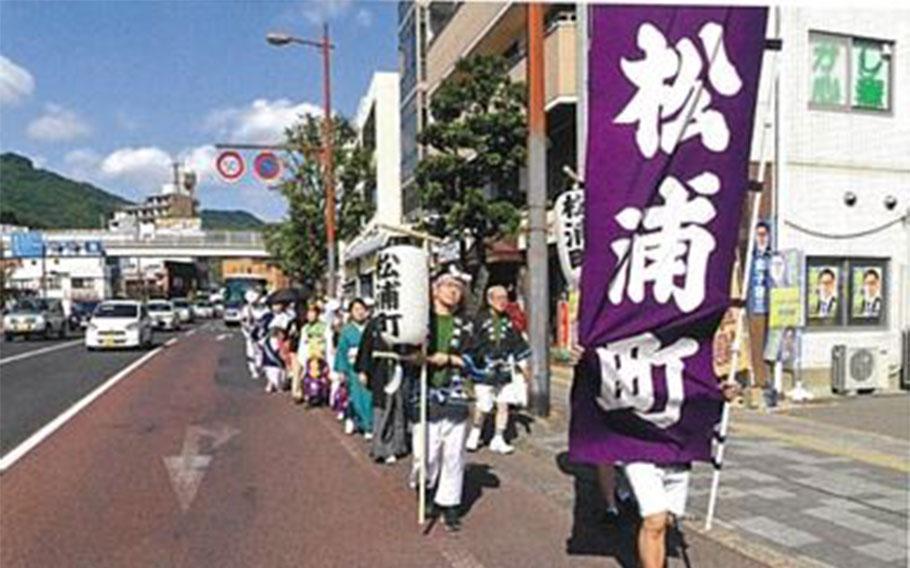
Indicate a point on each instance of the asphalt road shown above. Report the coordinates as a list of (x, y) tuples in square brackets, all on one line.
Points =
[(40, 379), (187, 462)]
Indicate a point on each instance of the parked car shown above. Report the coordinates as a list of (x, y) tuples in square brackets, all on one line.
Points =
[(35, 317), (232, 312), (203, 309), (184, 309), (163, 315), (119, 323)]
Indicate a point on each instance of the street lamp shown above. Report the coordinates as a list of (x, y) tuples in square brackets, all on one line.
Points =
[(328, 174)]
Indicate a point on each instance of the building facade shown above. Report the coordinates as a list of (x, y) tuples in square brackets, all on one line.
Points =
[(379, 131), (843, 197)]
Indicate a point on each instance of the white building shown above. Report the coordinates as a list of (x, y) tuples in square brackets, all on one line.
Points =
[(379, 129), (843, 196), (68, 276)]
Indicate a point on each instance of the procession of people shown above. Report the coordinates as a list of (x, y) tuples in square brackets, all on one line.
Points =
[(344, 361)]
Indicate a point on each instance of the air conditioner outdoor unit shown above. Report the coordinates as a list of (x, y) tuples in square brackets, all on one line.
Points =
[(856, 369)]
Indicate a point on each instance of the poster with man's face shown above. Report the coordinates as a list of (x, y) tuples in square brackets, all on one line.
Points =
[(824, 284), (866, 303)]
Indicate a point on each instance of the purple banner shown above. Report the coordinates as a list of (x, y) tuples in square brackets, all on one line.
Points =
[(672, 98)]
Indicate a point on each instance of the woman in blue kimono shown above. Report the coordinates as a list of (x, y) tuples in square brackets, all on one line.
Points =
[(360, 399)]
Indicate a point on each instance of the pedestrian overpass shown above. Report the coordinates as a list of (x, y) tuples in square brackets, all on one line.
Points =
[(200, 244)]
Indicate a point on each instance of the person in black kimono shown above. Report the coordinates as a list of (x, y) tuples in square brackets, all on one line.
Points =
[(384, 369), (498, 348)]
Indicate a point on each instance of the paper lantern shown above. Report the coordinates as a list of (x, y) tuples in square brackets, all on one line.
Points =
[(403, 294)]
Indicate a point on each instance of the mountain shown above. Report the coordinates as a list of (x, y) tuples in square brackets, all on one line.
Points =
[(43, 199), (235, 220)]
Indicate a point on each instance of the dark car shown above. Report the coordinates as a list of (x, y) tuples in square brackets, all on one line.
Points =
[(80, 314)]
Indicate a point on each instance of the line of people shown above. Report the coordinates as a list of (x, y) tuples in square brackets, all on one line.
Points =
[(339, 359)]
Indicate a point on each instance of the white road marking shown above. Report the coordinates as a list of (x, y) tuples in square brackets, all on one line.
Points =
[(223, 336), (190, 332), (187, 469), (43, 350), (170, 342), (29, 444)]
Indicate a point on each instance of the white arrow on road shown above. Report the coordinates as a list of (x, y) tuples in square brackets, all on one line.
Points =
[(187, 469)]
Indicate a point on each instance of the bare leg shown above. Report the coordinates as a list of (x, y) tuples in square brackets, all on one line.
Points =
[(652, 541)]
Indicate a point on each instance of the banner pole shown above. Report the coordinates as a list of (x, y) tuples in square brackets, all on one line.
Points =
[(720, 435), (422, 438)]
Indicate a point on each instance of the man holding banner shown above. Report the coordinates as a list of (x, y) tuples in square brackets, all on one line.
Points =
[(672, 100)]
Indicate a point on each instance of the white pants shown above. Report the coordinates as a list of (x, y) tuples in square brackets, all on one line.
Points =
[(658, 489), (276, 376), (253, 358), (445, 459)]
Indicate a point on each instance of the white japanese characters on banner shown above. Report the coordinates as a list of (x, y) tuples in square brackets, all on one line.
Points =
[(570, 236), (671, 102), (402, 294)]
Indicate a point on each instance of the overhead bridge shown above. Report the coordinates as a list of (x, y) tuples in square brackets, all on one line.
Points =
[(207, 244)]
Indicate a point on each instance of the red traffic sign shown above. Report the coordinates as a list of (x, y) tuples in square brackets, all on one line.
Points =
[(230, 166), (267, 166)]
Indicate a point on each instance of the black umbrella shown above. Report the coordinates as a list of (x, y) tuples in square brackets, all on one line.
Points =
[(284, 296)]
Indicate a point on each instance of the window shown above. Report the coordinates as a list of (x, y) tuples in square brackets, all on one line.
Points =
[(850, 73), (81, 283), (846, 292)]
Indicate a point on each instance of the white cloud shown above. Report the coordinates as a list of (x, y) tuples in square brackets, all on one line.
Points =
[(16, 83), (364, 17), (261, 122), (57, 124), (319, 11), (201, 160), (82, 164), (146, 168)]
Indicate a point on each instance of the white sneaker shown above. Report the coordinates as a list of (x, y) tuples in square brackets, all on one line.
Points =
[(473, 440), (391, 459), (500, 446), (340, 416), (367, 436), (348, 426)]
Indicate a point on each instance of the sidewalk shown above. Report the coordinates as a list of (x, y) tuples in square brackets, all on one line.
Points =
[(821, 485)]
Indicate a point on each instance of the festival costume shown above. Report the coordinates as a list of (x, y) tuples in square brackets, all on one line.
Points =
[(360, 405), (447, 409), (316, 388), (389, 388), (499, 346)]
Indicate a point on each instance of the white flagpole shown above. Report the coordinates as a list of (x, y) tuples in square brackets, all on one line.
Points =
[(721, 433)]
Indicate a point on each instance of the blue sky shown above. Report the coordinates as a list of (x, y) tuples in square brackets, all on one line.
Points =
[(110, 92)]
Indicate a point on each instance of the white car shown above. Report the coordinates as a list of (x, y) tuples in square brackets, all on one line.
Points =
[(36, 317), (203, 309), (119, 323), (231, 314), (163, 315), (184, 309)]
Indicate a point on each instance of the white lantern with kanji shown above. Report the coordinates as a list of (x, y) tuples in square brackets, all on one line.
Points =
[(402, 294)]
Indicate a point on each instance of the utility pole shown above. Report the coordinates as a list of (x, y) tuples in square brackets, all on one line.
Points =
[(538, 267), (328, 147)]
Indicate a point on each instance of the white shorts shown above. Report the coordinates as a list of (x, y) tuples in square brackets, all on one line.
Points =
[(487, 396), (658, 489)]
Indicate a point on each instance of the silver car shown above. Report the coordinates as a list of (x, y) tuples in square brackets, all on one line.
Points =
[(35, 318)]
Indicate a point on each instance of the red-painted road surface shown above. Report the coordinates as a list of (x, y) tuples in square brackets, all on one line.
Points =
[(279, 486)]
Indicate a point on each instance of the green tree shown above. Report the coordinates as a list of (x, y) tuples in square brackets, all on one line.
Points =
[(298, 242), (469, 178)]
